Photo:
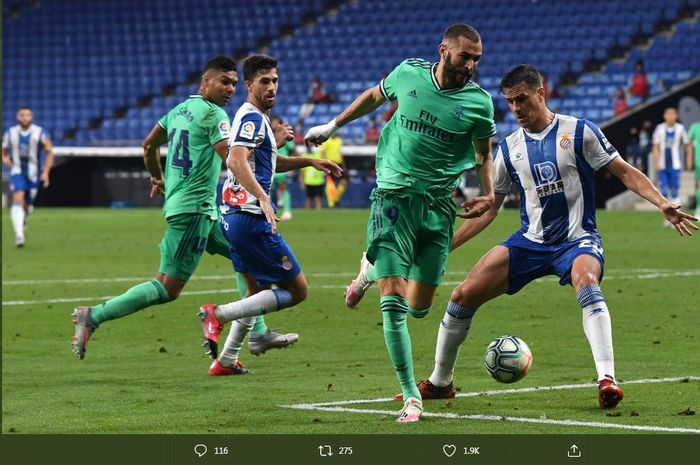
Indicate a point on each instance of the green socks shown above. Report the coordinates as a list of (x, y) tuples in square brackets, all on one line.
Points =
[(287, 201), (260, 327), (138, 297), (398, 342)]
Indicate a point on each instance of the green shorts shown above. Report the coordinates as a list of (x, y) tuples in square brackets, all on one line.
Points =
[(279, 178), (409, 235), (186, 238)]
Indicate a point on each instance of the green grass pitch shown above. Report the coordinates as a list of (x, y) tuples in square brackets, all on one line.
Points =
[(147, 373)]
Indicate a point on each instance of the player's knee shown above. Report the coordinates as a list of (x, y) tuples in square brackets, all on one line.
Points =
[(583, 279), (463, 295), (299, 292)]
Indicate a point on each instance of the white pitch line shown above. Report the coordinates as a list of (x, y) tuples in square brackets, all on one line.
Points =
[(337, 407), (644, 273), (10, 303), (546, 421), (496, 392)]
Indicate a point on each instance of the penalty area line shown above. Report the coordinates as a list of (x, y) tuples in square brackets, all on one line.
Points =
[(340, 406)]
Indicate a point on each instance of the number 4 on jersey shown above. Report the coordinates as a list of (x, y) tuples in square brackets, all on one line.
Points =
[(181, 153)]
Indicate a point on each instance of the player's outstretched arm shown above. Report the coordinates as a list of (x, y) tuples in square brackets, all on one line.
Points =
[(638, 183), (237, 162), (484, 170), (474, 226), (294, 163), (151, 158), (366, 103)]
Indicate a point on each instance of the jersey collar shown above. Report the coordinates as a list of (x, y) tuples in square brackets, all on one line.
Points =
[(433, 76), (543, 133)]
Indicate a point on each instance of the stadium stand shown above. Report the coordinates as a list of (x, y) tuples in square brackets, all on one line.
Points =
[(101, 73)]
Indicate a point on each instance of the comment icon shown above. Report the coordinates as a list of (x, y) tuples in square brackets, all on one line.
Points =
[(200, 450)]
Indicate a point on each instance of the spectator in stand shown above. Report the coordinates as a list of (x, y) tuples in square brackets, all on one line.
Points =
[(645, 143), (390, 112), (299, 133), (317, 94), (639, 87), (634, 154), (620, 101), (372, 132)]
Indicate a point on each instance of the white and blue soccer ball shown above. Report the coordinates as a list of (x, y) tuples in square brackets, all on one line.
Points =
[(508, 359)]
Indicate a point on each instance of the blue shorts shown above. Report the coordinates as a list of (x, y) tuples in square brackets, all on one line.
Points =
[(255, 249), (20, 183), (530, 260)]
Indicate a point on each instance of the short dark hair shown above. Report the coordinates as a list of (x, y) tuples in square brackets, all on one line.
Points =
[(277, 117), (221, 63), (24, 107), (458, 30), (522, 73), (255, 63)]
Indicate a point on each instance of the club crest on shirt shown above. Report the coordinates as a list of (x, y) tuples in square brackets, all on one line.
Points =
[(286, 264), (565, 142)]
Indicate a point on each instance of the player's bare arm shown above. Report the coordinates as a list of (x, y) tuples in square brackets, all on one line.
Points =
[(151, 158), (48, 164), (638, 183), (484, 169), (6, 157), (237, 162), (294, 163), (474, 226), (366, 103)]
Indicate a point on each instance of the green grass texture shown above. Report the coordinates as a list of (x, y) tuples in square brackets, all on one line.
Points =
[(147, 373)]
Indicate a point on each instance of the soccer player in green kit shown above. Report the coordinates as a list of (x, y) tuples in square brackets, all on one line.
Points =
[(197, 132), (694, 134), (443, 126), (281, 180)]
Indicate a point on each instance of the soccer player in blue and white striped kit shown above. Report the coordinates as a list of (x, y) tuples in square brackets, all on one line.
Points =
[(552, 160), (27, 151)]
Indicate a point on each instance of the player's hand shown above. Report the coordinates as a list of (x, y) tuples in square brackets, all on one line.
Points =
[(327, 167), (473, 208), (283, 134), (157, 186), (682, 221), (45, 180), (266, 207), (317, 135)]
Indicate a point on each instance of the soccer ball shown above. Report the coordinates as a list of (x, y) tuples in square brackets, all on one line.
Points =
[(508, 359)]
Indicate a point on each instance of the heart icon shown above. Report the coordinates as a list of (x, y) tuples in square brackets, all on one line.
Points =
[(449, 449)]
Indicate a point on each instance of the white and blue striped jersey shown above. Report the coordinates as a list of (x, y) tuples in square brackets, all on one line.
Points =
[(26, 150), (555, 173), (250, 128), (671, 141)]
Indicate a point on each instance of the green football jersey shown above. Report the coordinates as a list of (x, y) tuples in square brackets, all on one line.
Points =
[(694, 134), (192, 167), (287, 149), (428, 142)]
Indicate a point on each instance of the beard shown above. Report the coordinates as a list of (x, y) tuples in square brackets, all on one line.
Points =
[(457, 75)]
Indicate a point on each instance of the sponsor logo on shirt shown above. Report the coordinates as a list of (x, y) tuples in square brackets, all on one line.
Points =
[(235, 197), (224, 128), (413, 94), (546, 179), (247, 130)]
